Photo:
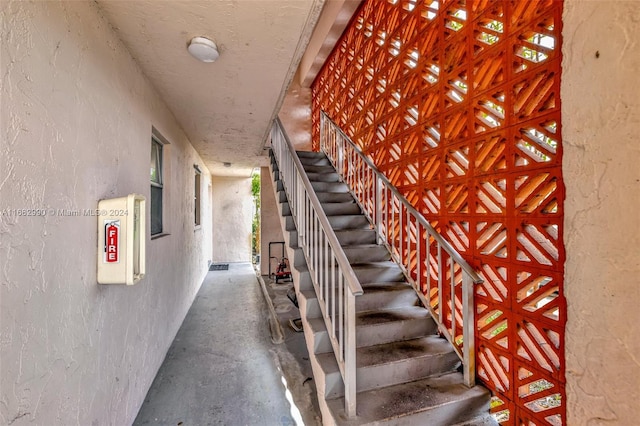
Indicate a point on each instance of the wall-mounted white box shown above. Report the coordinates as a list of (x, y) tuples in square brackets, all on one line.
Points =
[(121, 240)]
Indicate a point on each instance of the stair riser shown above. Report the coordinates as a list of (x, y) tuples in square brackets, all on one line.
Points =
[(289, 223), (319, 169), (279, 185), (314, 161), (329, 187), (323, 177), (311, 306), (291, 238), (298, 259), (378, 275), (334, 197), (379, 376), (310, 154), (330, 209), (468, 410), (338, 223), (335, 209), (462, 412), (301, 279), (360, 254), (378, 334), (354, 237), (370, 301), (392, 331), (348, 222)]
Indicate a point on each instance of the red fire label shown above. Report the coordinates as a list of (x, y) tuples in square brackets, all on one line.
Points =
[(112, 246)]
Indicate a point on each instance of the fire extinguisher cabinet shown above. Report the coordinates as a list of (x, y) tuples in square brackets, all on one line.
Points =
[(121, 240)]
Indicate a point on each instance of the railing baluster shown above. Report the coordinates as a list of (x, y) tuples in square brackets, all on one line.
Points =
[(440, 278), (453, 299), (428, 259), (400, 234), (341, 313), (468, 333), (409, 223), (350, 357), (419, 264), (333, 291), (377, 205)]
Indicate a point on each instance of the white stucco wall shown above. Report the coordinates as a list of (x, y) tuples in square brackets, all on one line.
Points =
[(601, 166), (232, 218), (76, 122), (295, 115)]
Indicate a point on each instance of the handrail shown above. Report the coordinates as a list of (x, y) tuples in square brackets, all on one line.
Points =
[(409, 236), (334, 281)]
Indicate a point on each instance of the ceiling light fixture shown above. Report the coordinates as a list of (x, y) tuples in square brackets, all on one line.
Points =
[(203, 49)]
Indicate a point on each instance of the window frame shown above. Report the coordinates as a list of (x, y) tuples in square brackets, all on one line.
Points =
[(197, 197), (158, 147)]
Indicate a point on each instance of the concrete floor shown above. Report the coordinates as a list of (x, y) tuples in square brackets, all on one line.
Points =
[(223, 369)]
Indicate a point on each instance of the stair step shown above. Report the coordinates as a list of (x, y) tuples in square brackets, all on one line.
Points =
[(391, 364), (434, 401), (378, 272)]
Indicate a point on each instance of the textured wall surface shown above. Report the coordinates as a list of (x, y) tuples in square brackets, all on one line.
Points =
[(601, 123), (269, 223), (232, 216), (76, 121), (295, 115)]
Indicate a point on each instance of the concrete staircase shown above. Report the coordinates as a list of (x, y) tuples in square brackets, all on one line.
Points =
[(406, 374)]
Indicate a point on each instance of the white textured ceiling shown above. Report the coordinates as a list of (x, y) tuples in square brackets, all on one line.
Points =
[(225, 107)]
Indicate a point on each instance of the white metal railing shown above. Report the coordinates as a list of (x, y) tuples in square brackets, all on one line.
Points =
[(440, 276), (335, 283)]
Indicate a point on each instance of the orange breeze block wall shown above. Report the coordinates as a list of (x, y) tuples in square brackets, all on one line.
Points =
[(458, 104)]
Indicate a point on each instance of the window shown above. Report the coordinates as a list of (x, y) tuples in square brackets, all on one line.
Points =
[(196, 195), (156, 186)]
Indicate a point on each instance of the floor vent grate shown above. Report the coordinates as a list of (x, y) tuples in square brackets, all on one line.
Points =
[(219, 267)]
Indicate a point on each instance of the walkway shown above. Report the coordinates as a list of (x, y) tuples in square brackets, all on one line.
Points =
[(222, 368)]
